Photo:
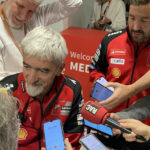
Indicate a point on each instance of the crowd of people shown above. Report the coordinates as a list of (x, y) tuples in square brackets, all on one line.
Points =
[(34, 88)]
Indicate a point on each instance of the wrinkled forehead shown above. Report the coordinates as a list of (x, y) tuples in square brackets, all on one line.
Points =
[(35, 60), (140, 10)]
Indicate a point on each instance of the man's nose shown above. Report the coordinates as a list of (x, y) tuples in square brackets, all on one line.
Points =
[(32, 76), (24, 15), (136, 25)]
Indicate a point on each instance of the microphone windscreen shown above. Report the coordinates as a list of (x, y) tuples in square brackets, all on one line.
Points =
[(94, 112)]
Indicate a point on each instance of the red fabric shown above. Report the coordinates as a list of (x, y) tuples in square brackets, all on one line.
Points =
[(32, 123), (94, 112), (121, 47)]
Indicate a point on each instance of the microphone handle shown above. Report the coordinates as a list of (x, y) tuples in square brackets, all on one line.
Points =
[(115, 124)]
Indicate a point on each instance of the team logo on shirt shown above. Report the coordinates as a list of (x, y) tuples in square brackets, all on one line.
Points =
[(116, 72), (117, 61), (114, 33), (22, 134), (118, 52)]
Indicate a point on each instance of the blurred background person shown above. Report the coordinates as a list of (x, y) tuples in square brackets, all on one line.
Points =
[(108, 15), (9, 122)]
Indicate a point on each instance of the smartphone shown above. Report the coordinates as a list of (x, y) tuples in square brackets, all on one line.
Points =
[(54, 138), (99, 91), (99, 127), (91, 142)]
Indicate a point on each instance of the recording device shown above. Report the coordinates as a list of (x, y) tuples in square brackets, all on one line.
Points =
[(94, 112), (90, 142), (99, 127), (54, 138), (99, 91)]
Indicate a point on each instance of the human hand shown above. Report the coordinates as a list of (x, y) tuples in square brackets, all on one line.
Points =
[(67, 144), (97, 25), (137, 127), (115, 117), (105, 20), (121, 93)]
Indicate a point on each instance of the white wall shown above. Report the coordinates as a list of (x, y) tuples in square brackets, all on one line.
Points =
[(82, 16)]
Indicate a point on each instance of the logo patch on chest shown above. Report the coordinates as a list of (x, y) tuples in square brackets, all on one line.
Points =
[(118, 51), (117, 61), (116, 72)]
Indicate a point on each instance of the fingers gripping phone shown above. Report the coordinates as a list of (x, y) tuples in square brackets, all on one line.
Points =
[(90, 142), (99, 91), (54, 138)]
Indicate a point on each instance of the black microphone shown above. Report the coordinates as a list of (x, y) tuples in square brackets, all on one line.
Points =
[(95, 113)]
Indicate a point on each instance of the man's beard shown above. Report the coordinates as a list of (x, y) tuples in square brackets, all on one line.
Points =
[(35, 89), (140, 40)]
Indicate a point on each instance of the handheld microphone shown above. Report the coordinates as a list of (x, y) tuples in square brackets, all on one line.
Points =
[(94, 112)]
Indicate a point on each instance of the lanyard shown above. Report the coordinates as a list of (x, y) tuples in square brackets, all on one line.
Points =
[(103, 13), (9, 31)]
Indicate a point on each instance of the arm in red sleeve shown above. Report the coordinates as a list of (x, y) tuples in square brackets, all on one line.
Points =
[(99, 64)]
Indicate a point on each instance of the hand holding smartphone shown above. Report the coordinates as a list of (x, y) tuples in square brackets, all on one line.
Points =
[(99, 91), (54, 138), (90, 142)]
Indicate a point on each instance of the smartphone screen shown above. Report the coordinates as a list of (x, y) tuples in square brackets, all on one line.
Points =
[(92, 143), (99, 127), (54, 139), (100, 92), (103, 81)]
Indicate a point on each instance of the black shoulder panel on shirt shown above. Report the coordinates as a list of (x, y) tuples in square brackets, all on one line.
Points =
[(110, 36), (10, 82), (72, 83), (101, 64)]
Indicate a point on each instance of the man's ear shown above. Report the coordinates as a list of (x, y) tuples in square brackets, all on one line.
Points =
[(61, 69)]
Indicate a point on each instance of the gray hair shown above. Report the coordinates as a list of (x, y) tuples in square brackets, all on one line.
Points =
[(9, 122), (139, 2), (46, 44)]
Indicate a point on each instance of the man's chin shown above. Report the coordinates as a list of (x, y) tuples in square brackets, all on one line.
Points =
[(16, 26), (137, 39), (34, 92)]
